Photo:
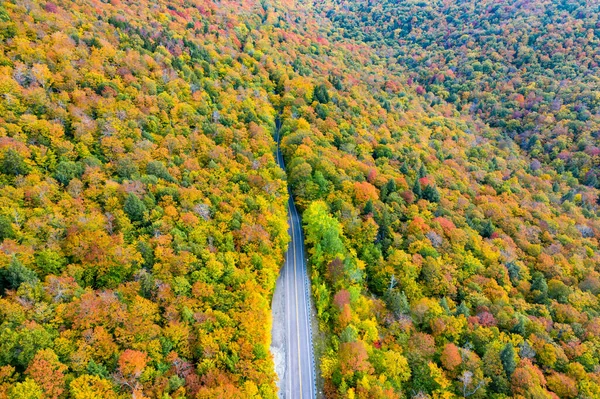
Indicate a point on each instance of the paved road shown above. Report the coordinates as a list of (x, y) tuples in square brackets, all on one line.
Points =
[(299, 362)]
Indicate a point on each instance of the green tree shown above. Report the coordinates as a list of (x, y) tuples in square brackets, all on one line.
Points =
[(507, 357), (431, 194), (67, 171), (126, 168), (15, 275), (397, 302), (487, 229), (462, 309), (13, 163), (558, 290), (539, 288), (321, 94), (324, 233), (368, 208), (158, 169), (417, 189), (6, 229), (48, 261), (134, 208)]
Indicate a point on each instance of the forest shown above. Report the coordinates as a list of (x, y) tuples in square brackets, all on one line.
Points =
[(445, 167)]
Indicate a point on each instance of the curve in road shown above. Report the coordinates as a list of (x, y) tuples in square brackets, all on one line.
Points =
[(299, 362)]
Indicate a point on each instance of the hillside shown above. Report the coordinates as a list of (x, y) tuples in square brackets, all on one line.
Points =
[(531, 68), (143, 220), (142, 211)]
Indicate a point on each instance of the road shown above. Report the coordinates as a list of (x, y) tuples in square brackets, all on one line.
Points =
[(299, 362)]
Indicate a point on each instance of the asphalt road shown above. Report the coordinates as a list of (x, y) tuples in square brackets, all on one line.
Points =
[(299, 362)]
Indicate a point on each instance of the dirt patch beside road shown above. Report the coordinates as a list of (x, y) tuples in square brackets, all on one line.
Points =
[(278, 335)]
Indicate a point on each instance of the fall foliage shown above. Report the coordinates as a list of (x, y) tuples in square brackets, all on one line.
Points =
[(444, 156)]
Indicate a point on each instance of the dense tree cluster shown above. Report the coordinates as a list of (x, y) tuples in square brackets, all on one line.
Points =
[(528, 67), (453, 253), (142, 219), (445, 262)]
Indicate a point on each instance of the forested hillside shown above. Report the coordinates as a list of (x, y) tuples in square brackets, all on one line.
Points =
[(453, 239), (142, 213), (531, 68)]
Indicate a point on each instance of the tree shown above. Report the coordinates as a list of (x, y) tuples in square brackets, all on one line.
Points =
[(539, 288), (321, 94), (13, 163), (487, 229), (528, 380), (417, 189), (507, 356), (396, 368), (66, 171), (389, 188), (158, 169), (48, 261), (451, 357), (397, 302), (126, 168), (462, 309), (368, 210), (324, 232), (365, 191), (134, 208), (563, 385), (48, 372), (91, 387), (15, 275), (27, 389), (558, 290), (132, 363), (6, 228), (431, 194), (354, 358), (469, 387)]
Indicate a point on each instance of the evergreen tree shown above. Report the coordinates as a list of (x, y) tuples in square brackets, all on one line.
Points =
[(16, 274), (539, 288), (391, 186), (462, 309), (431, 194), (368, 208), (417, 189), (487, 229), (444, 305), (514, 272), (397, 302), (404, 168), (507, 357), (387, 189), (591, 180), (321, 94), (519, 328)]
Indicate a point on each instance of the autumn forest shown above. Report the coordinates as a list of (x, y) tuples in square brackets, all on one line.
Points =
[(444, 156)]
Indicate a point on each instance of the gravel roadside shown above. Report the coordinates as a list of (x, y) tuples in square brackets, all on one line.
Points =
[(278, 335)]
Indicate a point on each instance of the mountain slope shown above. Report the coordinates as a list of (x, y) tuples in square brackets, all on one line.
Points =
[(529, 68), (142, 211), (143, 224)]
